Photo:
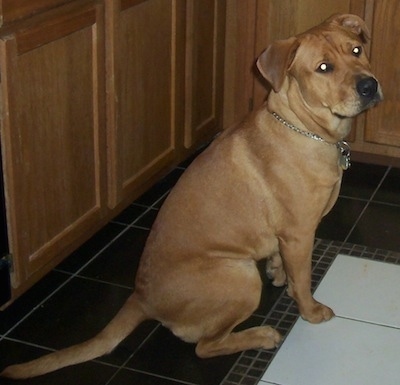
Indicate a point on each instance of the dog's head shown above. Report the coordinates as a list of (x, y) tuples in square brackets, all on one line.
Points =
[(327, 67)]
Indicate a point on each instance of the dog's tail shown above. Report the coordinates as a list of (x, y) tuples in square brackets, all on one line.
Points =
[(130, 315)]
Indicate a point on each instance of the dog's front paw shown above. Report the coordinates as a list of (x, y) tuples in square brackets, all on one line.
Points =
[(317, 313)]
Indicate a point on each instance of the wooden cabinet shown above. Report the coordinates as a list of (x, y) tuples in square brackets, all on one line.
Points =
[(52, 135), (205, 33), (166, 74), (98, 99), (145, 90), (378, 131)]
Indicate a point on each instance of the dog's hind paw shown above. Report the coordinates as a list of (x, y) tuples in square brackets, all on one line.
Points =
[(275, 271), (273, 337)]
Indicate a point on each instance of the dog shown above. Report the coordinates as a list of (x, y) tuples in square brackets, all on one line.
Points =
[(257, 192)]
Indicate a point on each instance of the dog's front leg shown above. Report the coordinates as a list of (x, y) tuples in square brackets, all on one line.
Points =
[(296, 253)]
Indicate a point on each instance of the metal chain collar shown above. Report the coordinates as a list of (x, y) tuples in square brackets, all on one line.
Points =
[(342, 146)]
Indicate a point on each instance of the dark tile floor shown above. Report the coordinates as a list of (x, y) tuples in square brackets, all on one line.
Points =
[(80, 296)]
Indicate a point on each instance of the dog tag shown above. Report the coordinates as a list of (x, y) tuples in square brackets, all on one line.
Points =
[(344, 155)]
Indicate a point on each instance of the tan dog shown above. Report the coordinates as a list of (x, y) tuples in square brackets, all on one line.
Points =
[(259, 191)]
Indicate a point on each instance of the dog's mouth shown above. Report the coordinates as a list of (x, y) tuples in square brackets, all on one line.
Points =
[(340, 116), (362, 105), (347, 115)]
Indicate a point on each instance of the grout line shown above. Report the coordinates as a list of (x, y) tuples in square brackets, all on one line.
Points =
[(148, 209), (152, 207), (368, 322), (155, 375), (139, 204), (91, 279), (31, 344), (380, 183), (132, 225), (159, 199), (387, 203)]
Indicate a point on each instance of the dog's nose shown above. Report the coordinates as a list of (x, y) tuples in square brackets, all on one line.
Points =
[(367, 87)]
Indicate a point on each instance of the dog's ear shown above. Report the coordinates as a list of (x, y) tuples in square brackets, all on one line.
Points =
[(275, 61), (354, 23)]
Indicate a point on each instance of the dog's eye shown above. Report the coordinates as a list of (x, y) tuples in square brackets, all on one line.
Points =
[(325, 68), (356, 51)]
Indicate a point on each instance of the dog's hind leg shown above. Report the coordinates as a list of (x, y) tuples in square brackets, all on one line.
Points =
[(260, 337), (235, 305)]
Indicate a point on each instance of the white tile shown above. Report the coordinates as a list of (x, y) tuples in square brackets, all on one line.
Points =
[(362, 289), (337, 352)]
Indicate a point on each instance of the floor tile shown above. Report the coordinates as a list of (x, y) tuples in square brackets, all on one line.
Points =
[(389, 192), (378, 227), (90, 248), (361, 180), (27, 302), (337, 224), (118, 263), (147, 219), (340, 351), (362, 289), (77, 312), (167, 356), (130, 214)]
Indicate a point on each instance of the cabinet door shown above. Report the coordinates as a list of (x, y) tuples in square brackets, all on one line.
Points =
[(145, 85), (381, 123), (205, 34), (52, 134)]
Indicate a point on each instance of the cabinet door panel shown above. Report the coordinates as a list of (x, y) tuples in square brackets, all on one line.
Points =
[(205, 33), (143, 110), (382, 122), (52, 135)]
